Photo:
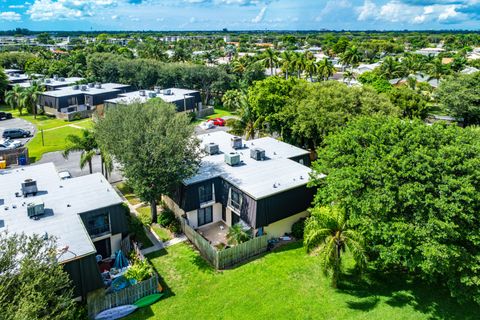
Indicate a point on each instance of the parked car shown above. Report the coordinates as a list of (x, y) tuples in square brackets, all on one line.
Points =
[(16, 133), (7, 144), (64, 175), (207, 125), (218, 122), (5, 115)]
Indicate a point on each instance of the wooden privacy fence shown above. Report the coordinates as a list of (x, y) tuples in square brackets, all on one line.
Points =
[(129, 295), (226, 257)]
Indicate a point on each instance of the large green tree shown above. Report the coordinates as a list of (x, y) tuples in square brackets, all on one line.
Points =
[(460, 96), (413, 191), (3, 83), (33, 285), (153, 143), (411, 103)]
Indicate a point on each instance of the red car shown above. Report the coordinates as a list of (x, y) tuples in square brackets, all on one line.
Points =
[(218, 122)]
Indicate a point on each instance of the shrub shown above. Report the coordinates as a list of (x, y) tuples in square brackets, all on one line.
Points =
[(166, 217), (140, 270), (145, 216), (297, 228), (175, 226)]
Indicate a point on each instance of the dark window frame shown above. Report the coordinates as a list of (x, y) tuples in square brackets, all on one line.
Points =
[(205, 193), (98, 230), (202, 215), (235, 203)]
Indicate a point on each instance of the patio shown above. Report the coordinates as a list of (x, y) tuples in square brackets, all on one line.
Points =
[(216, 232)]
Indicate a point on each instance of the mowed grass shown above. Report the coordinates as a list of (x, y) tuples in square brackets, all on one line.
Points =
[(288, 284), (219, 113), (53, 140), (128, 193), (163, 233), (40, 121)]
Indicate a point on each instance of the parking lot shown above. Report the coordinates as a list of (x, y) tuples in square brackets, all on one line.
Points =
[(20, 124)]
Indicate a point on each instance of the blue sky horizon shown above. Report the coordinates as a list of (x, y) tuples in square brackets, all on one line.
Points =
[(242, 15)]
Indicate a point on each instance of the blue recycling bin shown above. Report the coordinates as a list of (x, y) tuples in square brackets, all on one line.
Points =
[(22, 160)]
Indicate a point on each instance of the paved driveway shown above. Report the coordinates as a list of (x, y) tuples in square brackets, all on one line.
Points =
[(17, 123)]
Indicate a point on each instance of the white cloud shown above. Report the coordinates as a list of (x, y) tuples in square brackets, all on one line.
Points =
[(10, 16), (366, 11), (17, 6), (260, 16), (42, 10)]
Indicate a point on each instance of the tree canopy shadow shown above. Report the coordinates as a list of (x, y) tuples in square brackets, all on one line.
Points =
[(401, 289)]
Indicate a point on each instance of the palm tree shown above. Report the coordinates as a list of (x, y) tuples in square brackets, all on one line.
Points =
[(436, 69), (270, 59), (299, 64), (246, 123), (86, 144), (107, 163), (351, 57), (237, 235), (390, 68), (286, 61), (29, 97), (349, 75), (13, 98), (325, 69), (328, 234), (311, 68)]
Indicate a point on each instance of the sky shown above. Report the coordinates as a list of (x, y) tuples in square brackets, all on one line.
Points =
[(177, 15)]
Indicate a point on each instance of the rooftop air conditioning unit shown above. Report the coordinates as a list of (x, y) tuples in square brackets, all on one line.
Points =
[(152, 94), (55, 77), (98, 86), (91, 85), (142, 93), (29, 186), (232, 158), (35, 209), (48, 81), (61, 79), (76, 87), (167, 92), (257, 154), (212, 148), (158, 89), (83, 88), (237, 143)]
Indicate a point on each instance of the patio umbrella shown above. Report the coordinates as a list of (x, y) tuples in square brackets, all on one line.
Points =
[(120, 260)]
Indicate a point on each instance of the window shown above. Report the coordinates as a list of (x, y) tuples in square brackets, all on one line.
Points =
[(204, 216), (98, 224), (205, 193), (235, 199)]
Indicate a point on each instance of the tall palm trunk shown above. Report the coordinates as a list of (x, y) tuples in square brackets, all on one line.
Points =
[(90, 166)]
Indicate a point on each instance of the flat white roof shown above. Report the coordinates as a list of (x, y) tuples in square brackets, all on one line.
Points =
[(17, 76), (53, 83), (69, 91), (256, 178), (131, 97), (64, 200)]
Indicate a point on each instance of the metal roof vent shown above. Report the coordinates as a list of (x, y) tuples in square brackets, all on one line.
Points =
[(48, 81), (232, 158), (98, 86), (91, 85), (35, 210), (84, 88), (237, 143), (142, 93), (212, 148), (257, 154), (76, 87), (29, 186), (61, 79)]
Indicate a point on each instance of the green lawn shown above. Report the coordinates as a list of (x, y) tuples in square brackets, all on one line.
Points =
[(162, 232), (128, 193), (55, 132), (135, 226), (288, 284), (53, 140), (219, 113)]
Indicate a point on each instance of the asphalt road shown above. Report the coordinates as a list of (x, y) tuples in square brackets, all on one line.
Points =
[(17, 123)]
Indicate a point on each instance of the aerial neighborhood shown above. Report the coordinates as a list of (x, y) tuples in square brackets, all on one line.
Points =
[(247, 174)]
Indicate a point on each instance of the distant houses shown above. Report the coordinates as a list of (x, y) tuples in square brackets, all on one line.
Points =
[(85, 214)]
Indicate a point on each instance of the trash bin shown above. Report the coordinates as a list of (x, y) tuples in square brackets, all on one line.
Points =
[(3, 164), (22, 160)]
